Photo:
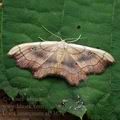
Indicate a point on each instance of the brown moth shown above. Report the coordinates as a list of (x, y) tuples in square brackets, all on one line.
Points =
[(73, 62)]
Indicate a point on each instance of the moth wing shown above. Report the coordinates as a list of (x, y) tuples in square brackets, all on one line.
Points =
[(90, 60), (32, 55)]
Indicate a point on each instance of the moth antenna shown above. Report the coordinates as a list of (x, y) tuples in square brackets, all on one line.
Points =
[(73, 39), (69, 39), (51, 32), (41, 39)]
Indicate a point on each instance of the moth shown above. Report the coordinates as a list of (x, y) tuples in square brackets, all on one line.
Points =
[(72, 61)]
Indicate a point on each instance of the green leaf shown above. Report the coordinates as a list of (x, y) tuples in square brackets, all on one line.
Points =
[(98, 23)]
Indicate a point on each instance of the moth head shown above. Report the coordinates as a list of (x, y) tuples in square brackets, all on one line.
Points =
[(62, 44)]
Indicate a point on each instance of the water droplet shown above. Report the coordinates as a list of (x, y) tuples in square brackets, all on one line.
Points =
[(78, 107), (70, 107), (78, 97), (59, 106), (78, 102), (64, 100)]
